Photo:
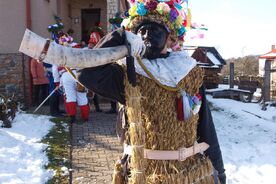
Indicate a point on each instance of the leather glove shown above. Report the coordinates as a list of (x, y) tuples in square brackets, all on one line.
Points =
[(137, 45)]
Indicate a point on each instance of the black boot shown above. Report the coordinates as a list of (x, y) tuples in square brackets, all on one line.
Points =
[(96, 103), (113, 108), (54, 106), (98, 109), (111, 111)]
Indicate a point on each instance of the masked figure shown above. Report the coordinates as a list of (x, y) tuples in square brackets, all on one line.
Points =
[(166, 121), (173, 112)]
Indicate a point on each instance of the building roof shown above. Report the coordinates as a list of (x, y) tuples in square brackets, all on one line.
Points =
[(269, 55), (208, 55), (213, 58)]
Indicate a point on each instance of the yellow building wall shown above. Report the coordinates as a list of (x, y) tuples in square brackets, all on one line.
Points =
[(13, 21), (12, 25), (42, 13), (13, 18)]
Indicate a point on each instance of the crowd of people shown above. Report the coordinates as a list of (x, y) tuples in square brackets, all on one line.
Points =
[(60, 82)]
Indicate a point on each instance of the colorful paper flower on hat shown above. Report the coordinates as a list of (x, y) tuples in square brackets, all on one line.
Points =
[(170, 13), (171, 3), (65, 40), (181, 31), (163, 8), (133, 11), (173, 15), (179, 22), (141, 10), (151, 5)]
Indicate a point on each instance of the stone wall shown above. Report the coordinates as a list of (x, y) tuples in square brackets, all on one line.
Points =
[(112, 8), (15, 77)]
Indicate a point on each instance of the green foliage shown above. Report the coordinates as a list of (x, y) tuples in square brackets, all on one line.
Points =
[(8, 108), (58, 150), (116, 20), (57, 19), (57, 27)]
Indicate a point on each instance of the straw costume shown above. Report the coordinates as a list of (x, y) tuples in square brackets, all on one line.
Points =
[(165, 105)]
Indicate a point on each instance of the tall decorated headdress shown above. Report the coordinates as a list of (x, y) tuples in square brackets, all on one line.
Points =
[(173, 14), (56, 29)]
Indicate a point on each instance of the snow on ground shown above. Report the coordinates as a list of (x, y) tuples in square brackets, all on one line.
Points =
[(22, 158), (248, 142)]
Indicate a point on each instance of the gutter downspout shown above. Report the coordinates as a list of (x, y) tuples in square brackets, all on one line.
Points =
[(28, 14), (29, 26)]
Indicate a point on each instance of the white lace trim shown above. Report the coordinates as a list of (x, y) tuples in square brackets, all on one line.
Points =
[(169, 71)]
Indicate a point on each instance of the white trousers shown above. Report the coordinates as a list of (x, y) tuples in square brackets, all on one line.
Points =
[(70, 88)]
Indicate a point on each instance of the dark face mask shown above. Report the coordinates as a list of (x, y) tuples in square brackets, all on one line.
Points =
[(155, 37)]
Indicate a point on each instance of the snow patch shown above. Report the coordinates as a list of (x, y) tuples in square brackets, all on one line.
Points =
[(21, 153)]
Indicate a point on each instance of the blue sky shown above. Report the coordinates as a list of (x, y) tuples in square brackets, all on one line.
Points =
[(236, 27)]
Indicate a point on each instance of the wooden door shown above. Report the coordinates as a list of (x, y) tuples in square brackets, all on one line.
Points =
[(90, 17)]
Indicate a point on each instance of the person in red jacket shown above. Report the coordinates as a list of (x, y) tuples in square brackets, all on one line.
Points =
[(40, 81)]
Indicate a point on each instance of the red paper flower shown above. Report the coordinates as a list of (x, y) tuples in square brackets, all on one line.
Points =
[(171, 4), (185, 23), (151, 5)]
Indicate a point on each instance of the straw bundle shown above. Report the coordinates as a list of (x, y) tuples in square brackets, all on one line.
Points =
[(136, 134), (153, 125), (118, 174)]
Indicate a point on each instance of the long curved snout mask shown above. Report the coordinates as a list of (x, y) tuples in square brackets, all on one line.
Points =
[(33, 45)]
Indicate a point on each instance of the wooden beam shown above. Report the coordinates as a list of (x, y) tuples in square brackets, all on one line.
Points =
[(267, 81), (232, 73)]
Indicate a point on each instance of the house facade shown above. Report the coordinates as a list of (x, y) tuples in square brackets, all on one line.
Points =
[(270, 57), (37, 15)]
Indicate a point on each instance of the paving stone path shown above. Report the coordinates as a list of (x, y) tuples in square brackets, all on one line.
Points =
[(95, 149)]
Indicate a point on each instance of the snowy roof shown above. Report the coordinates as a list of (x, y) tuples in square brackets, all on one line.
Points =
[(213, 66), (213, 58), (208, 55), (190, 49), (200, 63)]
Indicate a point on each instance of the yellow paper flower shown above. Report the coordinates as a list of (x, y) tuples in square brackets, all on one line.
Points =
[(132, 11), (189, 18), (178, 22)]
